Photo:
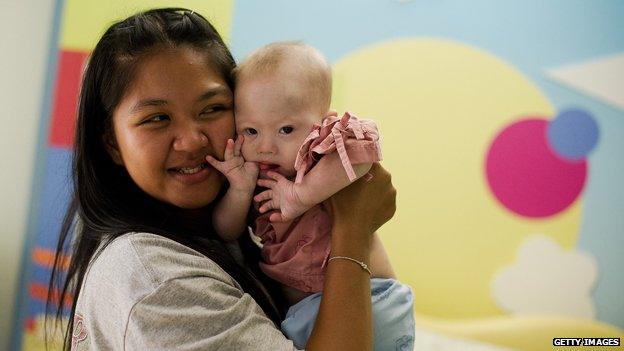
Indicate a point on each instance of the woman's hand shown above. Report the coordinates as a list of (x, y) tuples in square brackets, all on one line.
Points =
[(365, 205), (241, 175)]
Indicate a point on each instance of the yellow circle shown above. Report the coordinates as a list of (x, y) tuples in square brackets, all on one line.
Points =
[(439, 104)]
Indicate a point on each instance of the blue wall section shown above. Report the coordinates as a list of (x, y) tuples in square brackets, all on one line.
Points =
[(54, 197)]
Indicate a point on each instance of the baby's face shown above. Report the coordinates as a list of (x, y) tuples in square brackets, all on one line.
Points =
[(272, 123)]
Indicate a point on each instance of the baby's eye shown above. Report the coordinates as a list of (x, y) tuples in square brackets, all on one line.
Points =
[(250, 131), (286, 130)]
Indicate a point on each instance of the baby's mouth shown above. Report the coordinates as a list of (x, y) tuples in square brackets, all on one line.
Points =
[(267, 166)]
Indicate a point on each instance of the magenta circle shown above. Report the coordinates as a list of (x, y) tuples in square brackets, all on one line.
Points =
[(526, 176)]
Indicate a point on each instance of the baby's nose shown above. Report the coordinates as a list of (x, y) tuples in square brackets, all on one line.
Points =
[(266, 146)]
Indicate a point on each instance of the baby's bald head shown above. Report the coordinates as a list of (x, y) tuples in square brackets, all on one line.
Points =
[(301, 67)]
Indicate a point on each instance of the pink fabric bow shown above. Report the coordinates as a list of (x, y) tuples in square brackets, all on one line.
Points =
[(357, 141)]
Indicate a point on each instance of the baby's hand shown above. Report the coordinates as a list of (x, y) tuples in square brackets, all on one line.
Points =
[(242, 175), (282, 195)]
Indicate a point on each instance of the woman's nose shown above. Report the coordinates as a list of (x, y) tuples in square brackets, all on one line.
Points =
[(190, 139)]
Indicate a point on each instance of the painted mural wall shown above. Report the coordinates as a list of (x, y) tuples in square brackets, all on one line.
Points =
[(502, 125)]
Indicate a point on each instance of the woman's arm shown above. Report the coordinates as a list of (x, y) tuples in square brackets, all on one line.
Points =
[(380, 265), (344, 321)]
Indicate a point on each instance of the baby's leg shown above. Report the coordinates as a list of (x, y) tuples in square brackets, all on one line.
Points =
[(379, 262)]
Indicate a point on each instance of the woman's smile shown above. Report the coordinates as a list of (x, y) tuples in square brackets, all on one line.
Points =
[(192, 175)]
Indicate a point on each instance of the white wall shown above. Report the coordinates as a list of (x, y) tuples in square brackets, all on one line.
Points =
[(25, 33)]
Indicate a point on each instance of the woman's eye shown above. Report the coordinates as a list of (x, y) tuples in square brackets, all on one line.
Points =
[(286, 130), (157, 118), (250, 131), (210, 110), (213, 109)]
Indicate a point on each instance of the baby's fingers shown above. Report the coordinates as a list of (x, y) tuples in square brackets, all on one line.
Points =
[(276, 176), (276, 217), (267, 206), (264, 196), (266, 183), (215, 163), (229, 150), (238, 145)]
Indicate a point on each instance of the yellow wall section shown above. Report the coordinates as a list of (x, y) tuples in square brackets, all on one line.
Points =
[(84, 21), (439, 105)]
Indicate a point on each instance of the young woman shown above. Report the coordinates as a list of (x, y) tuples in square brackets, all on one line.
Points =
[(146, 270)]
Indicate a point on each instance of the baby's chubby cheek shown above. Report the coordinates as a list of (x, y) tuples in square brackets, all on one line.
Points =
[(248, 152)]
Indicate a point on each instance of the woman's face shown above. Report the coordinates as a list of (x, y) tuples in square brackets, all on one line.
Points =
[(176, 111)]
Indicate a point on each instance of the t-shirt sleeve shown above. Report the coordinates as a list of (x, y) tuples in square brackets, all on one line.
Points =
[(201, 313)]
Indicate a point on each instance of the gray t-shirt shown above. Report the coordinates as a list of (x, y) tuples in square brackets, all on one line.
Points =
[(147, 292)]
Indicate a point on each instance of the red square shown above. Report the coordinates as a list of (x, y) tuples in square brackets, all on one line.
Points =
[(70, 68)]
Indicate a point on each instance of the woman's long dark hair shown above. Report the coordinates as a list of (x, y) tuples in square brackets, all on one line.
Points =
[(106, 203)]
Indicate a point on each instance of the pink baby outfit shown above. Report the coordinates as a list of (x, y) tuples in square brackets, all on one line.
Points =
[(295, 252)]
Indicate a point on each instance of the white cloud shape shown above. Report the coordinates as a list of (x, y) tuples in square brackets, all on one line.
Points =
[(602, 78), (546, 279)]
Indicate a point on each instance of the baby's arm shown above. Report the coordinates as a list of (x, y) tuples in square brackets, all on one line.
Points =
[(229, 217), (325, 179)]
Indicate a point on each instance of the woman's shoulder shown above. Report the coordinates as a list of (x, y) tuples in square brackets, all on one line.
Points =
[(154, 258), (144, 291), (135, 265)]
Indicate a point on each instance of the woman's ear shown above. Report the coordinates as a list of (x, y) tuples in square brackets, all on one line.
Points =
[(110, 143)]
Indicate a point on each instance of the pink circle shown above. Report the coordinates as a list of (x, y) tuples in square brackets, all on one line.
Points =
[(526, 176)]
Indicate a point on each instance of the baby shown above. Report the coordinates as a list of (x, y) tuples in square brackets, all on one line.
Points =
[(300, 153)]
